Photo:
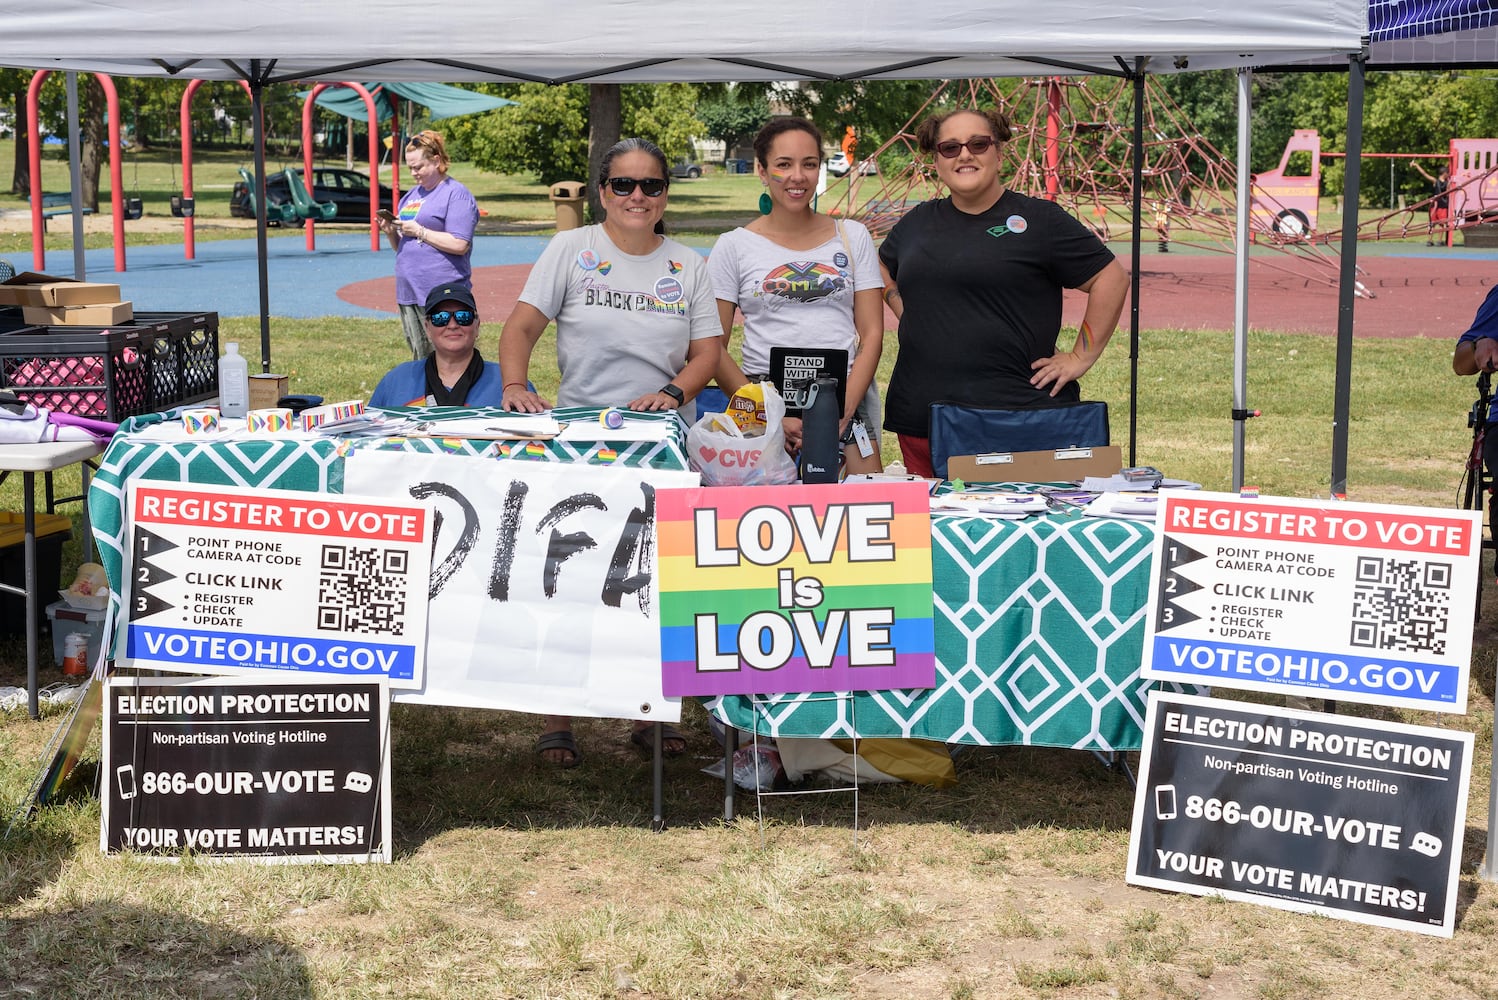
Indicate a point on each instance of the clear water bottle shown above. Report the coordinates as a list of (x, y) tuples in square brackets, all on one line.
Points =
[(233, 383)]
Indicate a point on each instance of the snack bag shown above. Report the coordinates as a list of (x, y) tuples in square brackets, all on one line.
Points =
[(724, 455)]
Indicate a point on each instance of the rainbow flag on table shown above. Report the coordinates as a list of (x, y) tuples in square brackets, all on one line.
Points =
[(765, 590)]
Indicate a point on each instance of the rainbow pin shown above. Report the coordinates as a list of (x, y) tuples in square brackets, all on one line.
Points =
[(535, 449), (606, 455)]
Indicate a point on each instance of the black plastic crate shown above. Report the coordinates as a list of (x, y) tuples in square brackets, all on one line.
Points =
[(86, 371), (184, 358)]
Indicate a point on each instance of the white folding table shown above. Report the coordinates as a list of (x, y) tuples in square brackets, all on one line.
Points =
[(29, 459)]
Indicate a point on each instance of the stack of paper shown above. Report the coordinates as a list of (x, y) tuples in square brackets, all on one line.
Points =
[(1126, 506), (1003, 505)]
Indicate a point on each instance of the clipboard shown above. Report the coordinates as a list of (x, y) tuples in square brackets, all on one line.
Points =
[(1059, 465)]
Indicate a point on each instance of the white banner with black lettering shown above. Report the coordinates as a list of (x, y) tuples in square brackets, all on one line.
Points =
[(543, 595), (272, 769), (1359, 819)]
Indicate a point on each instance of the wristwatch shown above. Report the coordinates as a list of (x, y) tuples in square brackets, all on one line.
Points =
[(674, 391)]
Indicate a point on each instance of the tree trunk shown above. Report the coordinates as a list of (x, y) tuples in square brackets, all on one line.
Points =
[(20, 178), (92, 128), (605, 113)]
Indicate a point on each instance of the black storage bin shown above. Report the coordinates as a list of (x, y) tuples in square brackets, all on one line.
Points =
[(83, 370), (184, 357), (52, 530)]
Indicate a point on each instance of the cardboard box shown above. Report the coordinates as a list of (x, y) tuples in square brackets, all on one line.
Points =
[(96, 314), (1059, 466), (43, 290), (266, 390)]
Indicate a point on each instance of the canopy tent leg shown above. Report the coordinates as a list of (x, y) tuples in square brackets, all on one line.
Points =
[(1357, 66), (1240, 276), (1137, 208), (262, 247)]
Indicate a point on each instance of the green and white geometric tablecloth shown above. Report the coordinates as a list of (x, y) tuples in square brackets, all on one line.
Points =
[(315, 465), (1039, 632)]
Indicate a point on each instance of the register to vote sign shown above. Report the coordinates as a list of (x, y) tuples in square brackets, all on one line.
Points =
[(233, 581), (766, 590), (1354, 602)]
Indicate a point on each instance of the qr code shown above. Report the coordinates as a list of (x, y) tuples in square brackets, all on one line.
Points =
[(1401, 605), (362, 590)]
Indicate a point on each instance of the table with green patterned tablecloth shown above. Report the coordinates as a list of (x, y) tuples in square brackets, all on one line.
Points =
[(1039, 632), (315, 463)]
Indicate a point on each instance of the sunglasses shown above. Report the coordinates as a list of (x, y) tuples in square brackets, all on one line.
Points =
[(977, 146), (651, 187), (442, 317)]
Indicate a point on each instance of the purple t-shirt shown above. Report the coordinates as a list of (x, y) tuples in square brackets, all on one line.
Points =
[(420, 267)]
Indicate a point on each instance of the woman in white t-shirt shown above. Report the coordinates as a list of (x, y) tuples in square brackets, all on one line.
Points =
[(803, 280)]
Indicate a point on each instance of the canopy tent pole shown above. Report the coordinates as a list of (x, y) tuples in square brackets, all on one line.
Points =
[(75, 175), (1240, 276), (1357, 66), (1139, 63), (262, 246)]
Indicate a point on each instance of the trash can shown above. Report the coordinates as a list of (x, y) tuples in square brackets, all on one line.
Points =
[(738, 166), (567, 196)]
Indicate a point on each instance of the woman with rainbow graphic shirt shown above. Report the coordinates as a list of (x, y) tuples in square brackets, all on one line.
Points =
[(803, 280), (432, 235)]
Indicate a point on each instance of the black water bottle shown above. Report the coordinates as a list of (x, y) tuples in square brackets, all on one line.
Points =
[(819, 445)]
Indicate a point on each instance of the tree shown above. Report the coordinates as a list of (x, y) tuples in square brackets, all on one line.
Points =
[(605, 116), (732, 120), (548, 131), (542, 134), (13, 83), (876, 109)]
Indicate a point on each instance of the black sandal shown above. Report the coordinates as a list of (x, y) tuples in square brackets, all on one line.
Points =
[(645, 740), (561, 740)]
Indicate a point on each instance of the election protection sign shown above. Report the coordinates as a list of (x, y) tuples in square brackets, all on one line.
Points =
[(543, 587), (1356, 602), (223, 580), (767, 590), (284, 770), (1358, 819)]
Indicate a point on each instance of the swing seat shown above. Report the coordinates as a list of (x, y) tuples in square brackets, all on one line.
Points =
[(183, 208), (134, 208)]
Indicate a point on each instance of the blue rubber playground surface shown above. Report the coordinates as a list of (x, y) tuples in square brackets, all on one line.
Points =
[(223, 278)]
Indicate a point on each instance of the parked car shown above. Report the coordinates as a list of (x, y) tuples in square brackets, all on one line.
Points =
[(348, 189), (686, 169), (837, 165)]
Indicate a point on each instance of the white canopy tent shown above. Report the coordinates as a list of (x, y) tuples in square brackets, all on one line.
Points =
[(625, 40), (599, 41)]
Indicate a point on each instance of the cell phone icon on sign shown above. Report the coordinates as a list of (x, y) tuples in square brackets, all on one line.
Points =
[(125, 776), (1165, 802)]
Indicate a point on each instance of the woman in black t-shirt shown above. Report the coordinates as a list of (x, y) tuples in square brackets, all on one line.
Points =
[(976, 281)]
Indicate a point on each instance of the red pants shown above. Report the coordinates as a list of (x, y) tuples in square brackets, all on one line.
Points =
[(915, 452)]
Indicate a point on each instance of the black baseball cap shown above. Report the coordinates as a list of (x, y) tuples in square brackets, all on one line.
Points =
[(450, 293)]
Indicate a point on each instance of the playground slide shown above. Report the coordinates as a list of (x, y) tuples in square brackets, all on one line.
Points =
[(306, 208)]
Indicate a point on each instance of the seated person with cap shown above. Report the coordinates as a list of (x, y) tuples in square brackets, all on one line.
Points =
[(454, 374)]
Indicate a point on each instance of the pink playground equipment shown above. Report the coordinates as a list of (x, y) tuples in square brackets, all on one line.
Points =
[(116, 176), (1286, 199), (186, 204), (1473, 180), (374, 158)]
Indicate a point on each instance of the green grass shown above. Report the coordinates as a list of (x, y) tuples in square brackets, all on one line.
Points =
[(512, 879)]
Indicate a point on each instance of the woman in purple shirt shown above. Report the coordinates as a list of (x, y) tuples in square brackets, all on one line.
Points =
[(432, 235)]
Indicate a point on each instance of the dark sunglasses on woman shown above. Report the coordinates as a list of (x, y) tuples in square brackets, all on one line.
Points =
[(623, 187), (977, 146), (440, 317)]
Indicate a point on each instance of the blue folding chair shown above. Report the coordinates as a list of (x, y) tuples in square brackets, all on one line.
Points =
[(956, 429)]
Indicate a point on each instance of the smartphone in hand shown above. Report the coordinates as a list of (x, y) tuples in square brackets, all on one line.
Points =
[(385, 215)]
